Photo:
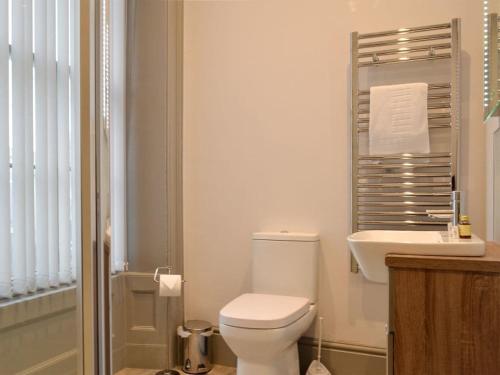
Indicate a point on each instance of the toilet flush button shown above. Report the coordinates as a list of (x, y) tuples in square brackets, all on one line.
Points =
[(283, 231)]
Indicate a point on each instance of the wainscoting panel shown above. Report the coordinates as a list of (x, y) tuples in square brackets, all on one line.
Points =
[(38, 334), (119, 320), (343, 359), (340, 359), (146, 311), (62, 364), (139, 322)]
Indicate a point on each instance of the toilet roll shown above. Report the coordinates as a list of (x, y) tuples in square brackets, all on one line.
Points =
[(170, 285)]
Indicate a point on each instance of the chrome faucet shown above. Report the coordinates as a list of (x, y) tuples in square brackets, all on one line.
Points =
[(455, 207), (453, 214)]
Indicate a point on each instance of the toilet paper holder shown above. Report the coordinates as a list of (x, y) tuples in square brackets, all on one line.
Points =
[(156, 277)]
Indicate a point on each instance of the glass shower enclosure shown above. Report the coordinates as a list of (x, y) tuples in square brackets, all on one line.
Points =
[(138, 180), (40, 187)]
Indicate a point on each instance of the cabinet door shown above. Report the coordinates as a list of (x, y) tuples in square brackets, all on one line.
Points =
[(445, 322), (390, 353), (408, 321)]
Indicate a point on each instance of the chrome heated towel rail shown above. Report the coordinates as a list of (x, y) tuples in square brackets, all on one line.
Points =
[(394, 191)]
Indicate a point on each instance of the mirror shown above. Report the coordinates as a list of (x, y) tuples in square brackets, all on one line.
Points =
[(491, 59), (491, 18), (493, 178)]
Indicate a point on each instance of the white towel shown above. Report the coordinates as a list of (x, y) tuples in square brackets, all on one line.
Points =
[(398, 119)]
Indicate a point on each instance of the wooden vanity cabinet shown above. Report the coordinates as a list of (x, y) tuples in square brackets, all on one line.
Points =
[(444, 314)]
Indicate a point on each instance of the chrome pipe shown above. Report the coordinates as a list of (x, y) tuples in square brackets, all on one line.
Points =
[(404, 194), (456, 104), (403, 204), (403, 51), (392, 213), (401, 222), (402, 41), (441, 98), (430, 96), (406, 156), (431, 86), (405, 165), (403, 185), (404, 175), (354, 138), (404, 59), (430, 106), (406, 30), (362, 129), (431, 116)]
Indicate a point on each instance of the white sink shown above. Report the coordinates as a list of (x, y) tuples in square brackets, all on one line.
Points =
[(370, 247)]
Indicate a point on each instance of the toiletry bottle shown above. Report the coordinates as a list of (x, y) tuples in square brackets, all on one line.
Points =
[(464, 227)]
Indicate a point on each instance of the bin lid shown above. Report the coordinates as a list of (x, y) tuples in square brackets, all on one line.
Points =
[(197, 326)]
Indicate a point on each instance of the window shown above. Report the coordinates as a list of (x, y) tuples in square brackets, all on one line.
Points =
[(39, 145)]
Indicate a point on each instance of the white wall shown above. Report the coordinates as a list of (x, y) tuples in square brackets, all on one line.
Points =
[(266, 140)]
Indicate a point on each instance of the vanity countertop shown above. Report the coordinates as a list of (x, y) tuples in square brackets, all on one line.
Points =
[(490, 262)]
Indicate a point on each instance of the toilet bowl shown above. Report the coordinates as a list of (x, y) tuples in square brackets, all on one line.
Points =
[(263, 327), (266, 346)]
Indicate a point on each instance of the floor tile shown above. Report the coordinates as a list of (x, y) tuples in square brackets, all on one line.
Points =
[(217, 370)]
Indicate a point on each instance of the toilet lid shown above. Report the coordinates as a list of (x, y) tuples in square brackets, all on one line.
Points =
[(263, 311)]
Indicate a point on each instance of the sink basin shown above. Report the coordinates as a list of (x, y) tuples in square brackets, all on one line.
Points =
[(370, 247)]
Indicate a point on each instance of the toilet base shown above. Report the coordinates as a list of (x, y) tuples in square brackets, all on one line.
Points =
[(287, 363)]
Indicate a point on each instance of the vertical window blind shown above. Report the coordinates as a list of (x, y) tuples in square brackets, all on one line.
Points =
[(39, 145), (114, 74)]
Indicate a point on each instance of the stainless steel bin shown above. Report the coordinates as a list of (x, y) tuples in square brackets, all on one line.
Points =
[(195, 335)]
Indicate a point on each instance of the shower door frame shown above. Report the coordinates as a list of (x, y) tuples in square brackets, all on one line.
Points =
[(88, 331), (100, 264)]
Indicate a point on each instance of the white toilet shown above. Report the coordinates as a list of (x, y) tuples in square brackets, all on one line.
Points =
[(263, 327)]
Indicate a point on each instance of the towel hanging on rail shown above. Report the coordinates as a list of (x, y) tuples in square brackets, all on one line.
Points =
[(398, 119)]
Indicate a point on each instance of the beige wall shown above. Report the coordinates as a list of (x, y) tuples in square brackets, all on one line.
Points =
[(266, 139)]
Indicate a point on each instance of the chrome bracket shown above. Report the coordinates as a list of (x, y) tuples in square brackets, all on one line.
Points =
[(156, 277)]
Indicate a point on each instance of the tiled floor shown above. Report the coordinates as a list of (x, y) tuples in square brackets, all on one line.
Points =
[(217, 370)]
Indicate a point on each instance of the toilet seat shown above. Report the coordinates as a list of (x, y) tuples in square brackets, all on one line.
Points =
[(263, 311)]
